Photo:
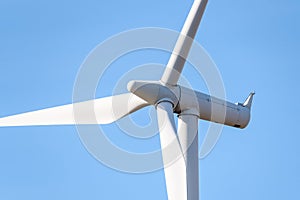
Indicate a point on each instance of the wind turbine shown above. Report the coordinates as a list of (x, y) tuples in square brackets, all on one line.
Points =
[(179, 146)]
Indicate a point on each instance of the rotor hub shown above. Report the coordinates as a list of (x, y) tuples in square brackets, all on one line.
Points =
[(155, 92)]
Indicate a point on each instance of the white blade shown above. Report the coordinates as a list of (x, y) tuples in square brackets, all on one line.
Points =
[(98, 111), (184, 43), (188, 137), (174, 163)]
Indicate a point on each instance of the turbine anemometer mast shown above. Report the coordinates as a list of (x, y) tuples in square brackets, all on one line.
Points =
[(182, 171)]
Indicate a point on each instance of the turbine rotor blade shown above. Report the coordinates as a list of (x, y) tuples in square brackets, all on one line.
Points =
[(184, 43), (173, 158), (98, 111)]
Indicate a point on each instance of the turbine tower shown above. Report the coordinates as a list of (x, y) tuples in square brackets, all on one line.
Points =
[(179, 145)]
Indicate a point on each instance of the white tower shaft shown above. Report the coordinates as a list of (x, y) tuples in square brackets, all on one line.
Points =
[(188, 138)]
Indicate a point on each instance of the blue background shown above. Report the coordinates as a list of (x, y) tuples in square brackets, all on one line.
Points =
[(255, 45)]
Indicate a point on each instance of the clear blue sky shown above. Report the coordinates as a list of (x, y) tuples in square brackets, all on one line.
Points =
[(255, 44)]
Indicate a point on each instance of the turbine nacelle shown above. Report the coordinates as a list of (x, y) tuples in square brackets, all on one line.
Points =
[(188, 101)]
